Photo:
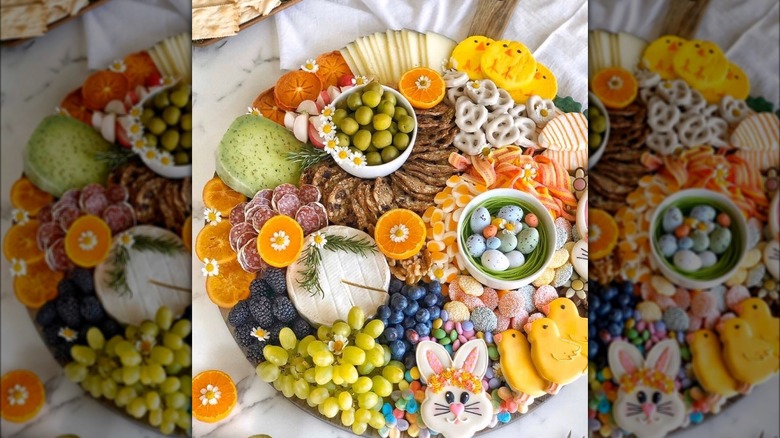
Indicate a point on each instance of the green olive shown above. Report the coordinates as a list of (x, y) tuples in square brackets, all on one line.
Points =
[(373, 158), (382, 122), (161, 100), (354, 101), (156, 126), (171, 115), (147, 115), (389, 97), (349, 126), (393, 128), (599, 124), (401, 141), (389, 154), (361, 139), (151, 139), (343, 139), (181, 158), (342, 105), (399, 112), (186, 139), (186, 122), (593, 111), (406, 124), (594, 140), (382, 139), (375, 87), (372, 148), (179, 98), (338, 115), (371, 98), (386, 107), (170, 139), (364, 115)]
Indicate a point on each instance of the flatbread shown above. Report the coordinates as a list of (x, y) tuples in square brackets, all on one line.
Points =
[(249, 9), (270, 5), (206, 3), (78, 5), (57, 9), (214, 21), (22, 21)]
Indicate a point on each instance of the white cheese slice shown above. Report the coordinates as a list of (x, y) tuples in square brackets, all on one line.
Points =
[(349, 60), (384, 52), (439, 49), (378, 56), (367, 55), (631, 50), (394, 53), (423, 48), (414, 48), (400, 42), (336, 267), (360, 66), (143, 266)]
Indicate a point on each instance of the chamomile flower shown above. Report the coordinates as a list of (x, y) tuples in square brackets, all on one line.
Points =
[(449, 64), (423, 83), (261, 334), (357, 159), (331, 145), (212, 216), (337, 345), (341, 154), (280, 241), (68, 334), (150, 153), (399, 233), (359, 80), (319, 240), (118, 66), (18, 268), (135, 128), (126, 240), (87, 241), (61, 111), (18, 395), (475, 85), (310, 66), (136, 111), (253, 111), (210, 395), (165, 159), (327, 130), (20, 216), (139, 144), (210, 267), (326, 115)]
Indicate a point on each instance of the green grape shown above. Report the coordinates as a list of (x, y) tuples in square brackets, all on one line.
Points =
[(318, 395), (173, 368), (348, 373), (94, 386), (75, 372), (386, 353), (183, 327), (276, 355), (321, 358), (377, 420), (337, 378), (356, 318), (95, 338), (303, 345), (392, 373), (164, 317), (331, 387), (110, 347), (167, 428), (362, 415), (345, 400), (362, 385), (267, 372), (162, 355), (156, 373), (368, 400), (323, 333), (365, 341), (133, 358), (341, 328), (183, 356), (287, 339), (83, 354), (330, 407), (347, 417), (145, 379), (124, 395), (315, 346), (374, 328), (310, 375), (365, 368), (109, 388), (170, 385), (310, 404), (186, 384), (359, 428), (376, 356), (301, 388), (116, 375), (137, 407), (172, 341), (287, 384), (176, 400), (131, 374), (155, 417), (124, 347), (185, 420), (382, 387), (131, 331), (323, 374), (170, 415), (353, 355), (153, 400), (149, 328)]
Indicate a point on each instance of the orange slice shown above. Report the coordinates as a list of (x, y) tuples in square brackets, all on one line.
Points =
[(280, 241), (20, 242), (206, 386), (186, 233), (102, 87), (217, 195), (296, 86), (38, 285), (213, 243), (332, 66), (266, 103), (616, 87), (602, 233), (74, 105), (400, 233), (23, 396), (26, 196), (138, 67), (423, 87), (230, 285), (88, 241)]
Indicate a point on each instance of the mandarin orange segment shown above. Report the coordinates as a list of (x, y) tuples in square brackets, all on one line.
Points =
[(296, 86), (138, 67), (616, 87), (219, 196), (74, 105), (602, 233), (280, 241), (88, 241), (38, 285), (230, 285), (20, 242), (267, 106), (102, 87), (332, 66), (23, 396), (423, 87), (212, 242), (215, 396), (400, 233), (25, 196)]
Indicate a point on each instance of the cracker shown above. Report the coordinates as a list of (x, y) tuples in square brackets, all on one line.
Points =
[(22, 21), (206, 3), (77, 6), (214, 21), (57, 9)]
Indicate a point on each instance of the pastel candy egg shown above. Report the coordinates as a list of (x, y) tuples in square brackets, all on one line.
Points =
[(494, 260), (720, 239), (480, 219), (700, 240), (516, 258), (672, 219), (685, 243), (668, 245), (724, 220), (527, 240), (476, 245), (512, 213), (708, 258), (704, 213), (531, 220), (687, 260), (492, 243), (508, 241)]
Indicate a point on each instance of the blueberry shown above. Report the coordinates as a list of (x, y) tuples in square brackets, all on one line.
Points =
[(399, 330), (615, 329), (604, 309), (397, 349), (423, 329), (408, 323), (616, 315), (434, 287), (390, 334), (591, 331), (422, 315), (435, 312), (410, 361), (383, 312), (396, 317), (627, 288), (440, 300), (415, 292), (395, 285), (411, 308), (398, 302), (412, 336), (593, 349), (430, 299), (610, 292), (623, 300)]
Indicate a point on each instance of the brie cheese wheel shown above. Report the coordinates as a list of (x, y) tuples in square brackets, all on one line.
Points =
[(146, 296), (335, 268)]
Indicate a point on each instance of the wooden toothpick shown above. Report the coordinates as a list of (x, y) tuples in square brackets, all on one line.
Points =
[(362, 286), (169, 286)]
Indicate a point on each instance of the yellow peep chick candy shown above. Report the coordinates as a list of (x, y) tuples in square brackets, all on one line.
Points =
[(756, 313), (510, 64), (543, 84), (468, 55), (556, 359), (517, 367), (736, 85), (660, 53), (748, 358), (701, 64), (708, 364), (572, 326)]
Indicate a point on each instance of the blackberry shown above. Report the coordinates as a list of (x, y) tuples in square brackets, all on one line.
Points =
[(244, 335), (67, 288), (274, 333), (51, 336), (283, 309), (110, 328), (276, 279), (68, 309), (91, 309), (239, 314), (84, 279), (301, 328), (255, 352), (261, 311), (47, 314), (62, 353), (260, 288)]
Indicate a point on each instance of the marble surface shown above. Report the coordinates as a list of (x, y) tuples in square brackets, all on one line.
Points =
[(227, 77)]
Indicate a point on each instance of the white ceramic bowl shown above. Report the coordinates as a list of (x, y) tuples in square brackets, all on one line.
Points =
[(545, 221), (371, 172), (774, 215), (738, 229), (172, 172), (594, 157)]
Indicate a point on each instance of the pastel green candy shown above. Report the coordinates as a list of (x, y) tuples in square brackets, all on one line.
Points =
[(493, 353), (439, 334)]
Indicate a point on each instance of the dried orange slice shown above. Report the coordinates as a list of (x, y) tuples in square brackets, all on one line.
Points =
[(423, 87), (400, 233), (217, 195), (74, 105), (88, 241), (602, 233), (102, 87), (138, 67), (215, 394), (23, 396), (616, 87), (332, 66), (25, 196), (38, 284), (280, 241), (21, 242), (213, 243), (296, 86), (186, 233), (230, 285), (266, 103)]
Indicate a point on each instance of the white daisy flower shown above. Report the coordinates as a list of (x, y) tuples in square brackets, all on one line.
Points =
[(136, 111), (341, 154), (399, 233), (210, 267), (319, 240), (331, 145), (327, 130), (253, 111), (449, 64), (310, 66), (17, 395), (357, 159), (139, 144), (18, 268), (127, 240), (150, 153), (359, 80), (145, 344), (326, 115), (20, 216), (280, 241), (135, 129), (261, 334), (336, 346), (118, 66), (61, 111), (210, 395), (473, 84), (68, 334), (165, 159), (87, 241), (212, 216), (423, 83)]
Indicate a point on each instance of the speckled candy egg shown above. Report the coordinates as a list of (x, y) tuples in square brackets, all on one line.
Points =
[(512, 213), (687, 260), (527, 240), (720, 239), (701, 240), (516, 258), (492, 243), (494, 260), (703, 213), (668, 245), (672, 219), (475, 245), (480, 219), (685, 242), (708, 258), (508, 241)]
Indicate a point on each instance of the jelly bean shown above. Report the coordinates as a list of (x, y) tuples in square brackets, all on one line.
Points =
[(439, 334), (505, 393), (594, 424), (489, 373), (458, 327), (413, 431), (387, 409), (384, 431), (448, 326), (531, 220), (424, 433), (494, 383), (504, 417), (402, 425), (444, 315), (391, 420), (640, 326), (697, 417), (408, 376), (400, 405), (682, 231), (407, 394), (453, 335), (395, 395), (470, 334), (724, 220), (411, 406), (455, 345), (449, 349), (437, 323), (446, 342), (467, 325), (403, 384), (492, 353), (415, 373), (489, 337)]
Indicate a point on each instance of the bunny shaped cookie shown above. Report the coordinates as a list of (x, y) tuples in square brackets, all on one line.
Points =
[(456, 404), (648, 404)]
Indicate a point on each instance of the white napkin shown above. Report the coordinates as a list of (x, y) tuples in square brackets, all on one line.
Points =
[(123, 27), (746, 31), (555, 31)]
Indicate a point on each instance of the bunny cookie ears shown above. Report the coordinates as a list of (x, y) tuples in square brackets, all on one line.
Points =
[(433, 359)]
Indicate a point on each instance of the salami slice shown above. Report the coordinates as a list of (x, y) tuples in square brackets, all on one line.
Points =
[(71, 195), (281, 190), (119, 217), (249, 258), (89, 190), (288, 204), (44, 214), (309, 219), (240, 233), (237, 214), (257, 201), (117, 193), (56, 257), (95, 203), (309, 193), (259, 217), (266, 194), (322, 212), (67, 215), (58, 206), (47, 233)]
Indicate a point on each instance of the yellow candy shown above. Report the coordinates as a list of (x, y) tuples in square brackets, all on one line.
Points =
[(468, 55), (415, 372), (509, 64), (660, 53), (413, 430), (736, 85), (543, 84), (547, 276), (403, 385), (607, 374), (701, 63), (437, 323)]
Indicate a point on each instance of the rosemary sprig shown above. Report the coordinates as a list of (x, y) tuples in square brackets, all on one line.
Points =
[(115, 157), (312, 257), (117, 275), (308, 156)]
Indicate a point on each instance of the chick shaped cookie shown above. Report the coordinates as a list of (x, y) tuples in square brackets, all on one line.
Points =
[(510, 64), (701, 63), (758, 316), (736, 84), (749, 359), (518, 368), (556, 359), (659, 54), (708, 365), (543, 84), (468, 55)]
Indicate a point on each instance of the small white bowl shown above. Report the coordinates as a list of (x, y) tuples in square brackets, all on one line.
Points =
[(371, 172), (739, 237), (545, 221), (594, 157), (172, 172), (774, 215)]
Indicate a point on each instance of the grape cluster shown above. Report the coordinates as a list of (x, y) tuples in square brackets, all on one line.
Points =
[(409, 316), (609, 308), (146, 370), (343, 369)]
